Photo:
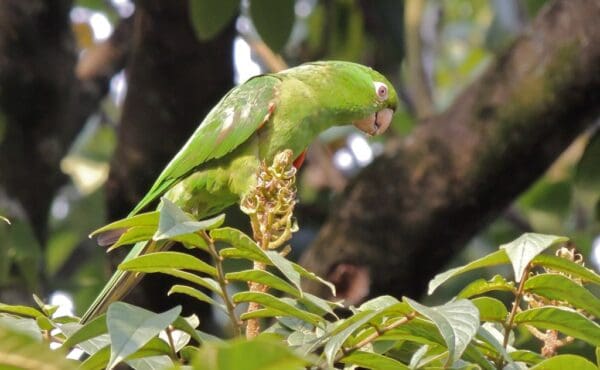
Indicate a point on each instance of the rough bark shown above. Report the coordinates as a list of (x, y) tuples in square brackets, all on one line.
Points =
[(173, 81), (415, 206)]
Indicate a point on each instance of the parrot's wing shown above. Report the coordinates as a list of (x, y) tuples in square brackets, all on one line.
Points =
[(231, 122)]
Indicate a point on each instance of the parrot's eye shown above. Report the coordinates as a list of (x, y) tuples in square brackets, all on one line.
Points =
[(381, 90)]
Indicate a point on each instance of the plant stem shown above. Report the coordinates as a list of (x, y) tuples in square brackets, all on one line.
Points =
[(372, 337), (169, 332), (218, 262), (253, 325), (513, 312)]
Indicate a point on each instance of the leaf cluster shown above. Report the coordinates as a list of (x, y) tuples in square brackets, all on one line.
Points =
[(549, 298)]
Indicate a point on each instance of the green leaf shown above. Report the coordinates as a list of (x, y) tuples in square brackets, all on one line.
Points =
[(65, 319), (44, 323), (286, 267), (563, 319), (195, 293), (20, 351), (273, 19), (47, 309), (565, 362), (209, 17), (132, 327), (149, 219), (265, 278), (417, 357), (568, 267), (234, 253), (165, 262), (312, 276), (379, 303), (480, 286), (343, 331), (418, 330), (525, 248), (90, 346), (423, 331), (546, 196), (191, 241), (319, 305), (246, 248), (489, 335), (587, 173), (96, 361), (240, 241), (133, 235), (526, 356), (561, 288), (187, 353), (2, 218), (174, 222), (493, 259), (369, 360), (301, 338), (155, 347), (24, 311), (457, 322), (490, 309), (262, 353), (207, 283), (90, 330), (151, 363), (262, 313), (188, 325), (270, 301), (24, 325), (205, 337)]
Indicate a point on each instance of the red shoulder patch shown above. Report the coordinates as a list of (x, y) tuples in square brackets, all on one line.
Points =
[(300, 160)]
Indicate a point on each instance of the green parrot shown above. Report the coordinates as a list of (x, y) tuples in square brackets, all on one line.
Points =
[(252, 123)]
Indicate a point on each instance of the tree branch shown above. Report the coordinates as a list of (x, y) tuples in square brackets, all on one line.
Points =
[(419, 203)]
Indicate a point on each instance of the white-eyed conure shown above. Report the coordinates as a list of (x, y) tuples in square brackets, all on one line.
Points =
[(252, 123)]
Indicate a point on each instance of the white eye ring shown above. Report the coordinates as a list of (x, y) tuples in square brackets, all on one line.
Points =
[(381, 90)]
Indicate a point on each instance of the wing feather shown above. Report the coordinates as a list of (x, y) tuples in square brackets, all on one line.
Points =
[(231, 122)]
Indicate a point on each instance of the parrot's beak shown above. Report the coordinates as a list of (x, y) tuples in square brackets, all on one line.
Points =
[(376, 123)]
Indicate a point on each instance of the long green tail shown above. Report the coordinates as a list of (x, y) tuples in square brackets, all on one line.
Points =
[(122, 281)]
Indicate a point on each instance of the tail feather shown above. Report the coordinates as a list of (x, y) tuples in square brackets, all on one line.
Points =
[(109, 237), (121, 282)]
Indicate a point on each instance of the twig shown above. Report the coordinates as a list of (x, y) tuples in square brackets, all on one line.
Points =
[(274, 62), (372, 337), (253, 325), (169, 332), (218, 262), (513, 312)]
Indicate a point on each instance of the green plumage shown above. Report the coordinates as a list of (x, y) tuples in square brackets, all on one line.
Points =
[(253, 122)]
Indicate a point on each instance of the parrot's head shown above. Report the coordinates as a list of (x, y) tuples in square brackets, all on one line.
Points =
[(380, 102), (355, 93)]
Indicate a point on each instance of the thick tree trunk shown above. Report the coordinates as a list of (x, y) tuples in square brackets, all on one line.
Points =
[(173, 81), (411, 210), (43, 105)]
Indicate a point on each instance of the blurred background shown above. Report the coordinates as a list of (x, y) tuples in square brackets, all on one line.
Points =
[(97, 95)]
